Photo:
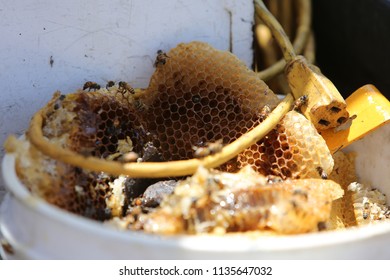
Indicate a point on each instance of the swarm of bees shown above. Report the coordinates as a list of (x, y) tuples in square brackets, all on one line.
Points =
[(122, 86)]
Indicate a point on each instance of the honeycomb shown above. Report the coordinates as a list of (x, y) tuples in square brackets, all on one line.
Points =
[(343, 173), (101, 124), (226, 202), (369, 204), (107, 122), (197, 95), (293, 149), (202, 95)]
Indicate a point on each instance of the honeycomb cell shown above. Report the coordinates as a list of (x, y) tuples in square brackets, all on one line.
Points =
[(102, 124), (279, 153)]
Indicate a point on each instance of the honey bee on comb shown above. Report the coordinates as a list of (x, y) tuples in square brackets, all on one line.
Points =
[(322, 173), (300, 102), (161, 58), (208, 149), (265, 111), (139, 105), (58, 102), (366, 210), (125, 87), (91, 86), (110, 84)]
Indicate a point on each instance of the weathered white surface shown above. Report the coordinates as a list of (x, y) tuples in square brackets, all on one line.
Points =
[(101, 40)]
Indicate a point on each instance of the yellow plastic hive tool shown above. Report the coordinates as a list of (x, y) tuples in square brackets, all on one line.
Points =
[(368, 109)]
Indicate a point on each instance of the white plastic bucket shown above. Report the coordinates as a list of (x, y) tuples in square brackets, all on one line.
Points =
[(38, 230)]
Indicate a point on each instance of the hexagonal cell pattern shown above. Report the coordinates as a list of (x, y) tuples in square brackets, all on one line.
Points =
[(293, 149), (102, 124), (197, 96), (201, 95)]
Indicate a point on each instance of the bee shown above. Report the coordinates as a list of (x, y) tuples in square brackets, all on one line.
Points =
[(139, 105), (301, 193), (7, 247), (322, 173), (123, 87), (387, 213), (321, 226), (208, 149), (272, 179), (110, 84), (366, 208), (91, 85), (301, 101), (264, 113), (58, 102), (161, 58)]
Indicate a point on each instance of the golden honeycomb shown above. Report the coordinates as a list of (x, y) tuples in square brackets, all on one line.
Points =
[(293, 149), (343, 173), (202, 95), (369, 204), (225, 202), (98, 124), (105, 120), (197, 95)]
